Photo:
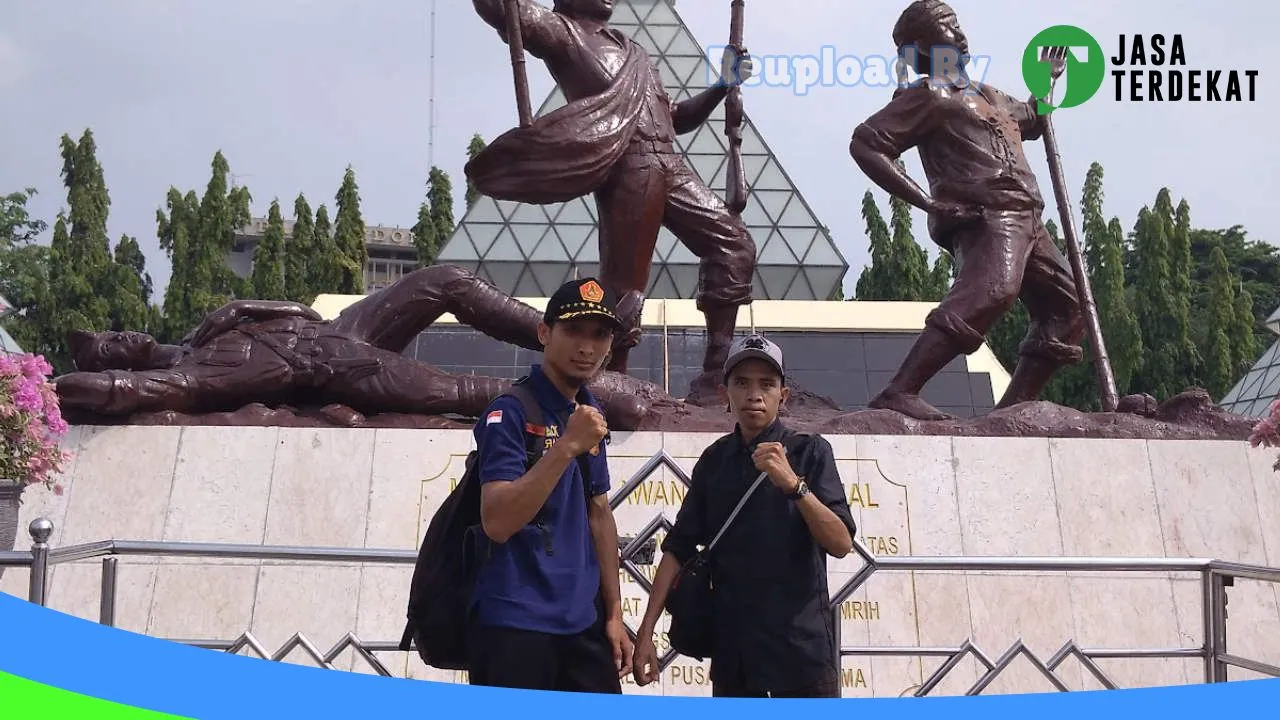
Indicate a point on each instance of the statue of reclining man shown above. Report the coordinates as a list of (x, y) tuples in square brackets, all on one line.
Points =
[(270, 352)]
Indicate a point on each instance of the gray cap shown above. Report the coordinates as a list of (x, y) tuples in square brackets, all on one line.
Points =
[(754, 346)]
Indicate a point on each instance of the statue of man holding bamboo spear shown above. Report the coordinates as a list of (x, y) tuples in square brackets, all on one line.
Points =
[(984, 208), (615, 139)]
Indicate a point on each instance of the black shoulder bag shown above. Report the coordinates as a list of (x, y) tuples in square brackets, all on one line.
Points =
[(689, 601)]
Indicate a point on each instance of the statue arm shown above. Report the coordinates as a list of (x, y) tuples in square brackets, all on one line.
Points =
[(231, 314), (542, 31), (689, 115), (878, 142)]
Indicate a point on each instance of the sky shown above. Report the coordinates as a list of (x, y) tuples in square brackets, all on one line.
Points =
[(294, 91)]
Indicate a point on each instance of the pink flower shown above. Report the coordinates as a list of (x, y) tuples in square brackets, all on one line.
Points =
[(30, 422)]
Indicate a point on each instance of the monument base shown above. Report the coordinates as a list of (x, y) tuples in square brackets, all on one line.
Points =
[(944, 495)]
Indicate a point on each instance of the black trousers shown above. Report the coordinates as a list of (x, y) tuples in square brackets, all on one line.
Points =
[(510, 658)]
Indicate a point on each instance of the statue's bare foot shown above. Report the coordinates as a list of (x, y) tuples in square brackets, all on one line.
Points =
[(908, 404), (704, 391)]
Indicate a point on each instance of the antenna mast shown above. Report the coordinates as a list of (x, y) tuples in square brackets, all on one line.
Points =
[(431, 91)]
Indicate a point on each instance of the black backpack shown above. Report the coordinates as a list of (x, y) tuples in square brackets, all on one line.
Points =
[(453, 550)]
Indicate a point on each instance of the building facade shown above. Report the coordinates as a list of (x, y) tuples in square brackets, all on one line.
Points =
[(529, 250), (1260, 387), (392, 254)]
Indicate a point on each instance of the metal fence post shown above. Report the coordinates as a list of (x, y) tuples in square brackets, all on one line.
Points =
[(41, 530), (107, 606)]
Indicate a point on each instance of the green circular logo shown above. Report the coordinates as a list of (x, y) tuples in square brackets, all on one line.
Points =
[(1086, 66)]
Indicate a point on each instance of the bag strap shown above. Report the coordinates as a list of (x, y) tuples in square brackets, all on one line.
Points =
[(759, 479)]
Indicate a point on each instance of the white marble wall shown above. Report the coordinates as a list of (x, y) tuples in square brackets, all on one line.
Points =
[(911, 496)]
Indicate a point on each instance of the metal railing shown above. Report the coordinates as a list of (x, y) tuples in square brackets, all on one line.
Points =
[(1215, 576)]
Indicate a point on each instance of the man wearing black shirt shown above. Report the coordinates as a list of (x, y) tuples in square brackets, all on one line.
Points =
[(773, 630)]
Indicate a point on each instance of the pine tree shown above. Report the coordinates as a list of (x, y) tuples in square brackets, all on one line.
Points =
[(476, 146), (189, 279), (1218, 375), (440, 195), (424, 236), (130, 293), (1104, 261), (939, 281), (910, 262), (1244, 343), (1154, 308), (327, 258), (874, 283), (1191, 365), (299, 254), (349, 237), (268, 258)]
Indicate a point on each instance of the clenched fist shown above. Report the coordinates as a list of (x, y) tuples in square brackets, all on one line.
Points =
[(771, 458), (586, 429)]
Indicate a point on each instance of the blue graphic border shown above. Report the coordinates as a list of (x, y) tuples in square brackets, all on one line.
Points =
[(73, 654)]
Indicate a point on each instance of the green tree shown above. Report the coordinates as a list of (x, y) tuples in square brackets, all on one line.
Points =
[(327, 264), (1218, 366), (1104, 260), (1155, 307), (349, 237), (474, 148), (24, 272), (875, 283), (1192, 368), (1244, 343), (910, 262), (435, 218), (939, 280), (189, 281), (130, 289), (299, 254), (268, 259)]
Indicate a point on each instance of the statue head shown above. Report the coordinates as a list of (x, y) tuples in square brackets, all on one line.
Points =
[(600, 10), (926, 30), (98, 351)]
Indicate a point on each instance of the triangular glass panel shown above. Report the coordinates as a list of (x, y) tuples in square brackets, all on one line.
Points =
[(685, 68), (459, 249), (800, 289), (623, 14), (483, 236), (590, 251), (706, 166), (505, 248), (662, 14), (685, 278), (680, 254), (771, 177), (777, 280), (574, 238), (774, 202), (528, 286), (757, 286), (576, 212), (549, 249), (666, 242), (798, 241), (646, 41), (585, 269), (685, 46), (823, 253), (751, 167), (662, 34), (529, 213), (484, 211), (508, 208), (776, 252), (824, 280), (550, 276), (751, 142), (708, 141), (527, 236), (796, 215), (754, 213), (504, 274), (662, 286)]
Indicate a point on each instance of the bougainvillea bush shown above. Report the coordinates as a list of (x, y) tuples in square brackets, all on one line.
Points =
[(1267, 433), (30, 422)]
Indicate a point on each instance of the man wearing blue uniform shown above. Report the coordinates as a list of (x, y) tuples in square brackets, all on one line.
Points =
[(547, 611)]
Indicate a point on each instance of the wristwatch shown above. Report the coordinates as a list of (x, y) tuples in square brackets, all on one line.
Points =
[(801, 490)]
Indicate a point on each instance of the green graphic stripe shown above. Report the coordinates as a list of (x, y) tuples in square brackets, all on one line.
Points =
[(20, 697)]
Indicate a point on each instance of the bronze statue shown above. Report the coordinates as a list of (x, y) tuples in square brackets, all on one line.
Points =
[(615, 139), (251, 351), (984, 208)]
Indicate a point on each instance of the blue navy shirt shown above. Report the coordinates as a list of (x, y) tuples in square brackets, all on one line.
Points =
[(522, 585)]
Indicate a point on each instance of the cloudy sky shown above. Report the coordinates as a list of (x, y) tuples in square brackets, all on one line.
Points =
[(292, 91)]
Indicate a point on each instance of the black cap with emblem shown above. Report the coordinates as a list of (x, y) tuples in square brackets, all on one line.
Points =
[(583, 298)]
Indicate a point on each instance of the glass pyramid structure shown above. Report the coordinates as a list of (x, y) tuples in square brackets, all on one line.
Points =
[(1260, 387), (530, 250)]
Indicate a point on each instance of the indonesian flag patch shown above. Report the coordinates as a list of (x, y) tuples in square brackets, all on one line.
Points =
[(493, 418)]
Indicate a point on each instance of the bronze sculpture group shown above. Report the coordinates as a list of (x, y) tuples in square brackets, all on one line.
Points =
[(615, 140)]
